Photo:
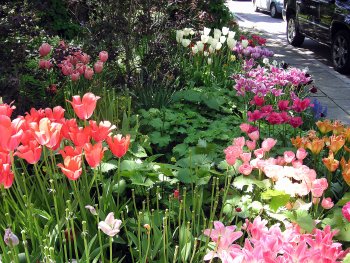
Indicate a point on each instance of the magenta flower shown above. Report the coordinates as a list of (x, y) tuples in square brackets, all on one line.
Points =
[(346, 211)]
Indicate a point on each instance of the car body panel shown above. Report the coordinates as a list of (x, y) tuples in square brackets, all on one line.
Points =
[(266, 4)]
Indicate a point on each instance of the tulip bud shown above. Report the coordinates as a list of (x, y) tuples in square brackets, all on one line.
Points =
[(103, 56), (42, 63), (89, 72), (44, 49), (75, 76), (98, 67)]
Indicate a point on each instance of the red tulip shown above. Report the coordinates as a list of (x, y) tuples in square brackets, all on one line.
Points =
[(84, 108), (80, 136), (94, 153), (44, 49), (71, 167), (30, 152), (6, 175), (118, 145), (100, 132), (89, 72), (103, 56), (98, 67), (56, 114)]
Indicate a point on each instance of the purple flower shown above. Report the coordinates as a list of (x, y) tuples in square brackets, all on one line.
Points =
[(10, 238)]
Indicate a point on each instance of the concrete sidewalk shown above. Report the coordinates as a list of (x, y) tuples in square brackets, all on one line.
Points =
[(333, 88)]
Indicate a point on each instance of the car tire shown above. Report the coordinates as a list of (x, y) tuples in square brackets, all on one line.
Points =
[(341, 51), (255, 7), (294, 37), (273, 10)]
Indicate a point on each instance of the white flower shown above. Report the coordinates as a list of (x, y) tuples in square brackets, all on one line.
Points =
[(222, 39), (266, 61), (211, 49), (206, 31), (274, 63), (206, 53), (179, 35), (195, 49), (187, 31), (110, 226), (245, 43), (204, 38), (91, 209), (210, 40), (225, 30), (200, 46), (231, 43), (209, 61), (218, 46), (231, 34), (185, 42), (217, 33), (214, 42)]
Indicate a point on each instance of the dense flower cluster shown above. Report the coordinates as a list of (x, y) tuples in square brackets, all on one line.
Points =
[(256, 52), (71, 61), (273, 244), (25, 137)]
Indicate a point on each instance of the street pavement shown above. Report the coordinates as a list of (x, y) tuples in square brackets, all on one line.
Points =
[(333, 88)]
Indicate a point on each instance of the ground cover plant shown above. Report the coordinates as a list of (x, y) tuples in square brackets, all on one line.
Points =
[(209, 152)]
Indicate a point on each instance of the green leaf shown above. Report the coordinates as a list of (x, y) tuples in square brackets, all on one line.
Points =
[(130, 165), (241, 181), (156, 123), (277, 198), (344, 200), (138, 179), (181, 149), (186, 176), (111, 165), (161, 140)]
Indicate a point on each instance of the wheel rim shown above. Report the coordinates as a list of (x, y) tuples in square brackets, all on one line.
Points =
[(273, 10), (291, 30), (340, 51)]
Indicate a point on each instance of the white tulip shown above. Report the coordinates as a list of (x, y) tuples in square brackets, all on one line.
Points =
[(206, 53), (214, 42), (217, 33), (211, 49), (222, 39), (210, 40), (218, 46), (206, 31), (231, 43), (200, 46), (225, 30), (266, 61), (179, 35), (204, 38), (187, 31), (185, 42), (195, 49), (209, 61), (231, 34), (274, 63), (244, 43)]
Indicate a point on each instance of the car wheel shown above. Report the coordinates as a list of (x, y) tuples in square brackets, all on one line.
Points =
[(273, 10), (255, 6), (340, 51), (294, 37)]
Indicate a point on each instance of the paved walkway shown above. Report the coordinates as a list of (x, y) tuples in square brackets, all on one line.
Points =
[(333, 88)]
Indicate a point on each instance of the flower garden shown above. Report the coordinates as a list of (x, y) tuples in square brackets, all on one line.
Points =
[(161, 132)]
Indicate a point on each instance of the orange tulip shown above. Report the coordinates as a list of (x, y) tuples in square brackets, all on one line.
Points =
[(71, 167), (337, 127), (84, 108), (336, 143), (315, 146), (324, 126), (331, 163), (346, 134), (345, 165), (299, 142), (118, 145), (94, 153)]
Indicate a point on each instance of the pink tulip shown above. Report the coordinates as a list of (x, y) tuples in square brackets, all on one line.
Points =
[(240, 142), (254, 136), (346, 211), (44, 49), (84, 107), (103, 56), (327, 203), (98, 67), (48, 64), (245, 157), (318, 187), (289, 156), (110, 226), (89, 72), (67, 69), (268, 144), (283, 105), (75, 76), (251, 145), (245, 127), (84, 58), (259, 153), (42, 63), (245, 169), (80, 67), (301, 154)]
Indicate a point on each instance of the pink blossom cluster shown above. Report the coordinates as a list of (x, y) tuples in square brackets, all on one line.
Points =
[(273, 245), (71, 61), (256, 52), (271, 95)]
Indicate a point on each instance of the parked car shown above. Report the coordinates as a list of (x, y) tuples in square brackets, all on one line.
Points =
[(273, 6), (325, 21)]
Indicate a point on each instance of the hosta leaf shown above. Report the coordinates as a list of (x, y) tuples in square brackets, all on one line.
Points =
[(106, 167)]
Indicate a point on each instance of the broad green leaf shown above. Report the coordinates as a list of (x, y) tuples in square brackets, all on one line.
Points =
[(344, 200), (111, 165), (130, 165), (161, 140), (186, 176), (241, 181), (138, 179)]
